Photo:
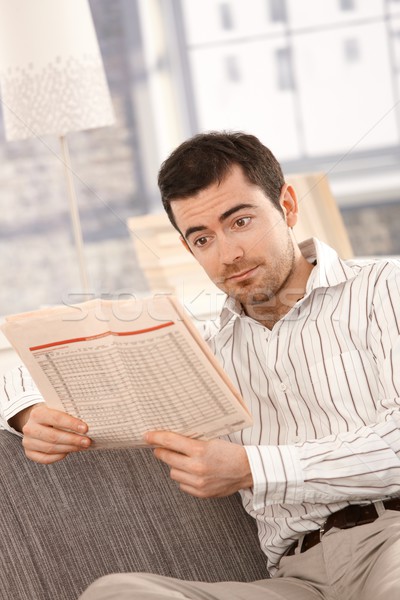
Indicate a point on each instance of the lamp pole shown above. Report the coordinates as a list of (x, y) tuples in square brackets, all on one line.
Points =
[(74, 213)]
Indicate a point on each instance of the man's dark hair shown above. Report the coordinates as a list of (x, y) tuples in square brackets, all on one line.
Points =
[(207, 158)]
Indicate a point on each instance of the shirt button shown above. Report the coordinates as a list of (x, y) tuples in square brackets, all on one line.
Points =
[(283, 387)]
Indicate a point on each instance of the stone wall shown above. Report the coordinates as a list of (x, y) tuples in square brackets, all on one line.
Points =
[(374, 230)]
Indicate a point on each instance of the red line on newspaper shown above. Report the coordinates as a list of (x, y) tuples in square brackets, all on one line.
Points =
[(100, 335)]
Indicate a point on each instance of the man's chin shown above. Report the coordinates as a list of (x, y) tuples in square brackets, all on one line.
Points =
[(249, 298), (246, 292)]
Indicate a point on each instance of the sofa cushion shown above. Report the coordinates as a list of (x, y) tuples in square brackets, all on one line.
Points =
[(104, 511)]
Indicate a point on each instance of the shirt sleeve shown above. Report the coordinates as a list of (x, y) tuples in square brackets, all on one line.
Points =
[(277, 475), (17, 392), (362, 464)]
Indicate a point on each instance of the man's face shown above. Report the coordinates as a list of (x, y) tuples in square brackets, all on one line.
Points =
[(240, 239)]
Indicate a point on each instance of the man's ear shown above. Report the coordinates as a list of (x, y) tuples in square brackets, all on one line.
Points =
[(185, 244), (289, 204)]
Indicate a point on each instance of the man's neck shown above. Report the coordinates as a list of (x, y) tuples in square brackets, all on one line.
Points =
[(269, 312)]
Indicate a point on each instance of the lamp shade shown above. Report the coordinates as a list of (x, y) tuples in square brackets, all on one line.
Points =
[(52, 78)]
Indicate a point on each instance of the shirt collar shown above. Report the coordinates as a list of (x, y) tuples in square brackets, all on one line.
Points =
[(330, 270), (230, 309)]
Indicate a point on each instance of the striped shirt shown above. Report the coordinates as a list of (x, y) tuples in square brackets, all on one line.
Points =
[(323, 391), (324, 394)]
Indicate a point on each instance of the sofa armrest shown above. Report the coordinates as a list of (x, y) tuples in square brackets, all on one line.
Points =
[(104, 511)]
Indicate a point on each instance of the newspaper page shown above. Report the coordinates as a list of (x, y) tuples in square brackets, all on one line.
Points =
[(126, 367)]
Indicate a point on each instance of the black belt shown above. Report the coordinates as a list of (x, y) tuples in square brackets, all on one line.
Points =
[(350, 516)]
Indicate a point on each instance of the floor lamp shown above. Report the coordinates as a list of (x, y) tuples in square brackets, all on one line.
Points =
[(52, 81)]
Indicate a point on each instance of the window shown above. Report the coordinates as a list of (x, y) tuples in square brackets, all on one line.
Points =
[(347, 4), (277, 10), (225, 13), (284, 69), (351, 50), (232, 68)]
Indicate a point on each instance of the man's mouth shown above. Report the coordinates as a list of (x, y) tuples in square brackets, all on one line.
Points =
[(242, 275)]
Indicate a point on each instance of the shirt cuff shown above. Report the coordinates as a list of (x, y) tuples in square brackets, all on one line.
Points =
[(17, 392), (277, 475), (20, 403)]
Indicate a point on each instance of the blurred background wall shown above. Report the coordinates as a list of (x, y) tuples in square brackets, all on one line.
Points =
[(318, 82)]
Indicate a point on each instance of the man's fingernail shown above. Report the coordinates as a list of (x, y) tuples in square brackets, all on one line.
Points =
[(85, 442), (81, 428)]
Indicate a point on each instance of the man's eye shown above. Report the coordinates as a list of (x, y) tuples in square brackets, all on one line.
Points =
[(200, 241), (242, 222)]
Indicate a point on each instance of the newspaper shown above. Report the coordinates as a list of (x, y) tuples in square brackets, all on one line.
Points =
[(126, 367)]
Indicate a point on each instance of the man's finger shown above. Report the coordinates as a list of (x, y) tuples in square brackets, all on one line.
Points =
[(56, 418), (185, 478), (197, 493), (172, 458), (172, 441), (35, 431), (36, 445), (45, 459)]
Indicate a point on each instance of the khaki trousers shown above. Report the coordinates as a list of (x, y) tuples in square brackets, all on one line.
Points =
[(362, 563)]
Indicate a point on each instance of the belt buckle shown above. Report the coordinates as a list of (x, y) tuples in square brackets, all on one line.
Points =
[(322, 530)]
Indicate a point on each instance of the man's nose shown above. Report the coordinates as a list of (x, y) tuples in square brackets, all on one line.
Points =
[(230, 251)]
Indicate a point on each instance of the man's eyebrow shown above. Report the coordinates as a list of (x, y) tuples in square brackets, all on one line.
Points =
[(221, 219), (191, 230), (232, 211)]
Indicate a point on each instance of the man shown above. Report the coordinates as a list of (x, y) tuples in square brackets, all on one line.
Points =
[(313, 344)]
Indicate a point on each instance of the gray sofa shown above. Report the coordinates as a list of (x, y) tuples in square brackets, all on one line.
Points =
[(98, 512)]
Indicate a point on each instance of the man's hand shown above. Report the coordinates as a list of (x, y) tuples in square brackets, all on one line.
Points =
[(49, 434), (210, 469)]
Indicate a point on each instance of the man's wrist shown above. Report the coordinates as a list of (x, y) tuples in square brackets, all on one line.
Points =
[(18, 421), (247, 477)]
